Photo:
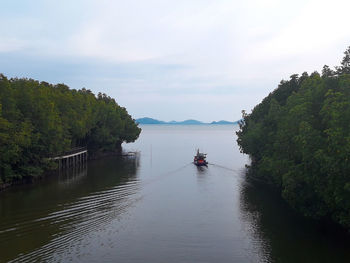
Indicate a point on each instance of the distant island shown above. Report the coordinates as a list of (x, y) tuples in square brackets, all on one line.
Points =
[(147, 120)]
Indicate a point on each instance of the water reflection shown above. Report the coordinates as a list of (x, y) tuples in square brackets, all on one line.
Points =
[(71, 175), (122, 211), (38, 222), (281, 235), (202, 170)]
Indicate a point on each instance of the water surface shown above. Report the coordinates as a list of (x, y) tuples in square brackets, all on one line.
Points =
[(159, 207)]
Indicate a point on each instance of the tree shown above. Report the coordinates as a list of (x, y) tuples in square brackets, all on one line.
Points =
[(345, 63), (299, 141), (39, 120)]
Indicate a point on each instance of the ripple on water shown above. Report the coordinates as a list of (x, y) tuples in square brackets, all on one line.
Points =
[(75, 220)]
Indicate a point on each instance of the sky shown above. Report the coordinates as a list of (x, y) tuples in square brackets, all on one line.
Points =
[(172, 60)]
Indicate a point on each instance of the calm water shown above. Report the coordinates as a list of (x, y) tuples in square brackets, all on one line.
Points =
[(161, 208)]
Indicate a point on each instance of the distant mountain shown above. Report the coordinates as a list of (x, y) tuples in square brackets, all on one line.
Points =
[(223, 122), (147, 120), (190, 122)]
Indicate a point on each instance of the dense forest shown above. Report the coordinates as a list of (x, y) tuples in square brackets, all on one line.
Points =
[(40, 120), (298, 138)]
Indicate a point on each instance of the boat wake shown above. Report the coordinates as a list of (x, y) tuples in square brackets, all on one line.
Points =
[(224, 167)]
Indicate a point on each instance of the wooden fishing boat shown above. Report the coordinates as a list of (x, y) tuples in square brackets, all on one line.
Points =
[(200, 159)]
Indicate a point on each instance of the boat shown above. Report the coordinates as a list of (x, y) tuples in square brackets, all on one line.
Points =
[(199, 159)]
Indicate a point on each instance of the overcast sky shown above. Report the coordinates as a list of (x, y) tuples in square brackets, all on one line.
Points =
[(172, 60)]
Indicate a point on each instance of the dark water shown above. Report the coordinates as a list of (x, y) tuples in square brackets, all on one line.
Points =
[(161, 208)]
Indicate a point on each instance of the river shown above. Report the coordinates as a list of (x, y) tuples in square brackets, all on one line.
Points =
[(159, 207)]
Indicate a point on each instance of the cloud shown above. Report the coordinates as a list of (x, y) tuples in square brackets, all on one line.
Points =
[(319, 26), (150, 30), (10, 45), (155, 54)]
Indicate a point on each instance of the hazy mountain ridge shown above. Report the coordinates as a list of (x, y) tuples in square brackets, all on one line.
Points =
[(147, 120)]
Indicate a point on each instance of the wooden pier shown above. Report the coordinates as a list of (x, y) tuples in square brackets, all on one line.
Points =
[(75, 157)]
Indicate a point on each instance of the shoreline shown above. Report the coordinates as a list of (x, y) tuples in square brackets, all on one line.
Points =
[(47, 173)]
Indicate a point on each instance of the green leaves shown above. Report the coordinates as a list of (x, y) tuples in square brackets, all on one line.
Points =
[(299, 140), (40, 120)]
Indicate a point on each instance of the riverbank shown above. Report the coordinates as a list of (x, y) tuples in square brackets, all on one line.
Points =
[(163, 209), (299, 138), (39, 120), (22, 181), (98, 155)]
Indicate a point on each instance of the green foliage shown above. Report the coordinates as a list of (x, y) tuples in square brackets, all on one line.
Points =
[(299, 140), (39, 120)]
